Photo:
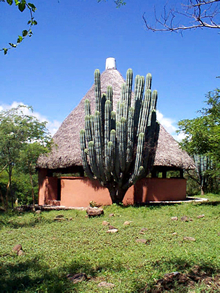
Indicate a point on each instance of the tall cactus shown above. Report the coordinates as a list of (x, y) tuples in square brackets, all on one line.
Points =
[(118, 148)]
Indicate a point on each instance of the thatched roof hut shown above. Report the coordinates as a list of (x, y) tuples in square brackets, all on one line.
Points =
[(66, 153)]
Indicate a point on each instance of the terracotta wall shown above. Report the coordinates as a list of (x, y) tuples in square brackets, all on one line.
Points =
[(47, 188), (78, 192)]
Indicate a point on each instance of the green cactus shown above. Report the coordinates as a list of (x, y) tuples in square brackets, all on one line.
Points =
[(118, 148)]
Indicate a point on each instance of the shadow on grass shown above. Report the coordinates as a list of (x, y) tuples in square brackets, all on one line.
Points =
[(180, 275), (34, 276)]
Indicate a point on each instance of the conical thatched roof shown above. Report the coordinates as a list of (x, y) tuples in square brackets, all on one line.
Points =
[(66, 153)]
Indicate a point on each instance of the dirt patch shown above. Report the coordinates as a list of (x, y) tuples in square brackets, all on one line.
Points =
[(186, 282)]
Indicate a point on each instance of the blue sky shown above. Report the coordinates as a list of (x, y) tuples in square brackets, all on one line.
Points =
[(53, 70)]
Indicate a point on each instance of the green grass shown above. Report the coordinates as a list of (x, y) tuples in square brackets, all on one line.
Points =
[(55, 249)]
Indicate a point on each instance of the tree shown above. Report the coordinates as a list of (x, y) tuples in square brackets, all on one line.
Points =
[(119, 148), (21, 135), (118, 3), (194, 13), (202, 136), (22, 5)]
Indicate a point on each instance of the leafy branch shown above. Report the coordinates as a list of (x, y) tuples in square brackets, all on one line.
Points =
[(22, 5), (118, 3)]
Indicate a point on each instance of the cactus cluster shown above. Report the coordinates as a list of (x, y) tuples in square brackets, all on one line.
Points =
[(118, 148)]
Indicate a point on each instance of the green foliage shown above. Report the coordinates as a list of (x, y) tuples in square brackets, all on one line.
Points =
[(22, 5), (119, 148), (118, 3), (202, 139), (22, 139), (52, 249)]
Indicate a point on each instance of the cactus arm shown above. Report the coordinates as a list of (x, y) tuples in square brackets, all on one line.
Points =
[(88, 133), (92, 117), (92, 158), (138, 160), (113, 141), (97, 90), (84, 154), (99, 145), (153, 105), (113, 120), (143, 117), (130, 137), (107, 126), (109, 96), (122, 143), (139, 88), (148, 81)]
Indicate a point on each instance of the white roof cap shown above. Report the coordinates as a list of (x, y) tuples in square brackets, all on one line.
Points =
[(110, 63)]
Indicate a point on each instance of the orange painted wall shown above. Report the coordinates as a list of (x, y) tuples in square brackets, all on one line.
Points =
[(78, 192)]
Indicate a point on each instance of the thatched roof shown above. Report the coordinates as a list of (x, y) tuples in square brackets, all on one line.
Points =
[(66, 153)]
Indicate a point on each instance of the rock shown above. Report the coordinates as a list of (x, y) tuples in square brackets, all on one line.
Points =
[(141, 241), (174, 218), (59, 216), (70, 219), (77, 277), (17, 248), (175, 233), (106, 285), (112, 231), (37, 212), (20, 252), (184, 219), (59, 219), (93, 212), (189, 239), (126, 223), (111, 227), (105, 223), (111, 215), (200, 216)]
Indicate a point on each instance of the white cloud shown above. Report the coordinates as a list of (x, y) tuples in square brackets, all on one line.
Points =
[(52, 126), (169, 125)]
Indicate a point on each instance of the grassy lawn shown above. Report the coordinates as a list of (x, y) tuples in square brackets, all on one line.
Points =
[(54, 249)]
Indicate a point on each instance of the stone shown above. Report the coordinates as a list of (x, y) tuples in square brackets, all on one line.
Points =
[(105, 223), (59, 216), (59, 219), (175, 233), (17, 247), (94, 212), (126, 223), (20, 252), (37, 212), (70, 219), (184, 219), (200, 216), (189, 239), (141, 241), (77, 277), (106, 285), (111, 227), (111, 215), (174, 218), (112, 231)]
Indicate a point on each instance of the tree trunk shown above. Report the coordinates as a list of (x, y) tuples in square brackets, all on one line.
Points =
[(10, 186), (117, 194), (32, 189)]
